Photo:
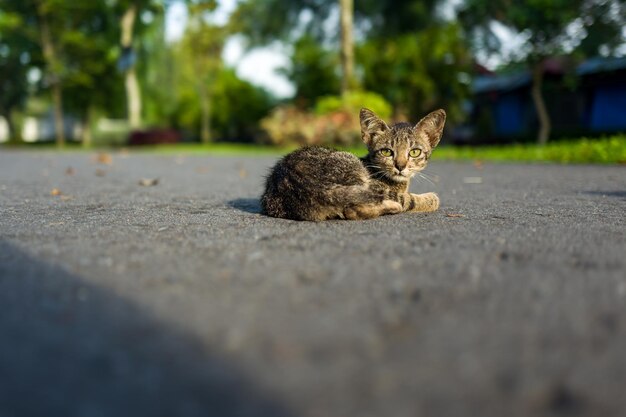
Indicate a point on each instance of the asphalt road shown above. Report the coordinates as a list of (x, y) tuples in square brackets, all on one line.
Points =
[(180, 299)]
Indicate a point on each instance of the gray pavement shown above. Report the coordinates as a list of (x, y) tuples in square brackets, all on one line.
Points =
[(180, 299)]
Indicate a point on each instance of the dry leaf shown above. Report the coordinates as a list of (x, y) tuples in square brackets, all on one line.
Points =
[(55, 191), (66, 197), (100, 172), (243, 173), (202, 170), (148, 182), (70, 171), (104, 158), (454, 215)]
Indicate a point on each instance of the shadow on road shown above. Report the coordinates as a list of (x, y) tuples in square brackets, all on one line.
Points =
[(615, 194), (70, 348), (249, 205)]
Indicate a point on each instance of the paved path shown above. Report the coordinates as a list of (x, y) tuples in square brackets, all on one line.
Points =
[(179, 299)]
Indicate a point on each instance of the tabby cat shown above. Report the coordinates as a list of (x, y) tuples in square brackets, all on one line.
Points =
[(316, 183)]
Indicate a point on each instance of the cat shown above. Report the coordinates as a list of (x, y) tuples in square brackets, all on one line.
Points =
[(317, 183)]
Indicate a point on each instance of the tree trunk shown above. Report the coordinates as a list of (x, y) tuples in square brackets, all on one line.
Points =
[(11, 137), (545, 125), (347, 45), (205, 107), (59, 128), (133, 94), (87, 138), (133, 97), (50, 57)]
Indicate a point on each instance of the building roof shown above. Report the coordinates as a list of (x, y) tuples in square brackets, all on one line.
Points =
[(596, 65), (509, 82)]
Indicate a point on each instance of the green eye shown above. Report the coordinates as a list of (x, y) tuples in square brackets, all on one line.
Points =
[(386, 152), (414, 153)]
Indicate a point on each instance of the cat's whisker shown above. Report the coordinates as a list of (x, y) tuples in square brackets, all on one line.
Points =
[(433, 177), (421, 176)]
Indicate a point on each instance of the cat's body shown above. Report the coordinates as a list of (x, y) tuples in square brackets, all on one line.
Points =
[(316, 183)]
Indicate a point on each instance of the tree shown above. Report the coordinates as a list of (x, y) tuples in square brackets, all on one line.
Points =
[(547, 26), (18, 55), (91, 81), (202, 46), (128, 11), (50, 26), (264, 21), (58, 28), (347, 45), (313, 71), (402, 55), (415, 78)]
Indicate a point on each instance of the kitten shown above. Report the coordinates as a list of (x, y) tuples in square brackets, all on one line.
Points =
[(316, 183)]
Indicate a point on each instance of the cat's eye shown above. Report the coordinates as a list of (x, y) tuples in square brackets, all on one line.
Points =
[(414, 153), (386, 152)]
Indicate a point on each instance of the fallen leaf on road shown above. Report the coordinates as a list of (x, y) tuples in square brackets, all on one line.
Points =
[(70, 171), (243, 173), (454, 215), (55, 191), (148, 182), (100, 172), (478, 164), (104, 158), (66, 197)]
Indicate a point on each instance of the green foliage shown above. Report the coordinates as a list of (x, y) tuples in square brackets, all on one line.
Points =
[(237, 107), (333, 122), (15, 44), (389, 19), (419, 72), (547, 24), (610, 150), (353, 102), (290, 125), (313, 71)]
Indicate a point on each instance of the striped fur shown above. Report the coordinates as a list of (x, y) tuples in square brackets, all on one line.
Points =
[(316, 183)]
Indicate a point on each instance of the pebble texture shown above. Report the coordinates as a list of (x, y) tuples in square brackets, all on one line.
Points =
[(138, 285)]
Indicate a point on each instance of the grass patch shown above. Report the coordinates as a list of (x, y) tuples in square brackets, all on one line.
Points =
[(213, 149), (610, 150)]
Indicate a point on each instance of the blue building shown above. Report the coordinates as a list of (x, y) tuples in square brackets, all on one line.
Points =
[(589, 98)]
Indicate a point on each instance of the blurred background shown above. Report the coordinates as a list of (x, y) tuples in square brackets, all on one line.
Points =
[(293, 72)]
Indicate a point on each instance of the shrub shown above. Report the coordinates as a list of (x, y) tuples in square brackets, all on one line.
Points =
[(353, 102), (334, 122), (288, 125)]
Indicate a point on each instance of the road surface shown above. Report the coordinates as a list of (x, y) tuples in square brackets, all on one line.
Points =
[(177, 298)]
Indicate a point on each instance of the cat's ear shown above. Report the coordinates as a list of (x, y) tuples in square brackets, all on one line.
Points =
[(432, 126), (371, 125)]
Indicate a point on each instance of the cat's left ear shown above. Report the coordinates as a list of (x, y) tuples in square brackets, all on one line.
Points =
[(432, 126)]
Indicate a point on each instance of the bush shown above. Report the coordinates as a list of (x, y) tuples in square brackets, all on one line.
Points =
[(335, 121), (288, 125), (353, 102)]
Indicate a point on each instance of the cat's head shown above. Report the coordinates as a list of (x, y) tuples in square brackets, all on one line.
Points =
[(402, 150)]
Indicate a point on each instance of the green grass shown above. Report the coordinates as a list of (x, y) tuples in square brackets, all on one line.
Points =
[(611, 150), (214, 149)]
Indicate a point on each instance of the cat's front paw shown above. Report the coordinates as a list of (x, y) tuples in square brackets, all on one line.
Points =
[(424, 202), (431, 201)]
